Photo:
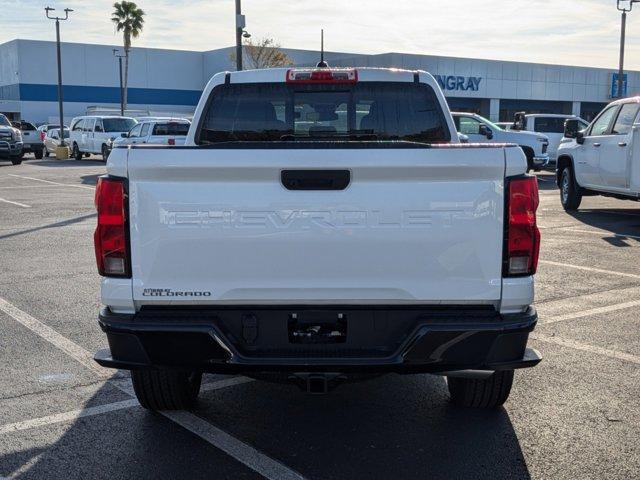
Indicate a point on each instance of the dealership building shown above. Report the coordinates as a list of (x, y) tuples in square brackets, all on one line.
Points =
[(169, 82)]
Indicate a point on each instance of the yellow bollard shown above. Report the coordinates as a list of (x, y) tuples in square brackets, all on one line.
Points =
[(62, 153)]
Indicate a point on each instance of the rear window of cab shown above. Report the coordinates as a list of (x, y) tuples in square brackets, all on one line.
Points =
[(384, 111)]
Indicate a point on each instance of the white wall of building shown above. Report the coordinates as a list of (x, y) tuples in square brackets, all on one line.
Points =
[(30, 62)]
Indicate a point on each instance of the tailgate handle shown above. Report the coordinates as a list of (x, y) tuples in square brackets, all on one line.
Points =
[(315, 179)]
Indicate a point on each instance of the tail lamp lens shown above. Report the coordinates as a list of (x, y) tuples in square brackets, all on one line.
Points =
[(171, 141), (523, 236), (110, 239)]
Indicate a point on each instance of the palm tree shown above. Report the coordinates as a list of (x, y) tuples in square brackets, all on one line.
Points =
[(129, 20)]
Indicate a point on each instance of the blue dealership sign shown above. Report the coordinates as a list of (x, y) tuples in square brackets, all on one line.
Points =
[(457, 83), (614, 86)]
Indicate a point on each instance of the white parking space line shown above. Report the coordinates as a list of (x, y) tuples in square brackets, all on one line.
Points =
[(47, 333), (590, 269), (600, 232), (67, 416), (249, 456), (109, 407), (14, 203), (592, 311), (51, 182), (626, 357), (244, 453)]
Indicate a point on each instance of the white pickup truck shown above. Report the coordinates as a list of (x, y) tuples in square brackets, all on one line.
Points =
[(603, 158), (478, 129), (318, 225)]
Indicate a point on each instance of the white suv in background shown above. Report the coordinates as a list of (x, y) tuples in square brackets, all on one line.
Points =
[(94, 134), (158, 131), (480, 130), (549, 124)]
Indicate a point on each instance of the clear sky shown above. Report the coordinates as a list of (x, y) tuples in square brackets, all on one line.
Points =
[(572, 32)]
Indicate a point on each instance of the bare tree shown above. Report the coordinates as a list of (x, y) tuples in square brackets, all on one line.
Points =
[(264, 53)]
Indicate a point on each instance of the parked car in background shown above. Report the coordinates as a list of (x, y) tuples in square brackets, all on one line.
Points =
[(32, 143), (52, 140), (479, 130), (604, 158), (44, 128), (160, 131), (10, 141), (551, 125), (95, 134)]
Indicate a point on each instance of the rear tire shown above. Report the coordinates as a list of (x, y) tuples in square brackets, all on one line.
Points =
[(105, 153), (570, 195), (16, 161), (488, 392), (77, 154), (38, 154), (529, 154), (166, 389)]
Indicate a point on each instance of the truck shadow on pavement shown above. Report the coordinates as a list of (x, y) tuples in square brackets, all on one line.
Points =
[(392, 427), (624, 224)]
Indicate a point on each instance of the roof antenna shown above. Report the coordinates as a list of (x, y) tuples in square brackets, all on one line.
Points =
[(322, 63)]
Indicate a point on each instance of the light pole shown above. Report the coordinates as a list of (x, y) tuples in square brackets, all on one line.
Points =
[(623, 6), (240, 34), (60, 99), (116, 54)]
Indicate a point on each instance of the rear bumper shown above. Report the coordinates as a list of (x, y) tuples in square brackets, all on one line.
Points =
[(541, 160), (32, 147), (377, 340)]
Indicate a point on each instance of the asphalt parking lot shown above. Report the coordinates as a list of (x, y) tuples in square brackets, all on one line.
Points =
[(576, 415)]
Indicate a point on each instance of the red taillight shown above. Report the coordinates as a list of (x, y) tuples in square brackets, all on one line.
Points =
[(42, 135), (523, 237), (171, 141), (110, 238), (322, 75)]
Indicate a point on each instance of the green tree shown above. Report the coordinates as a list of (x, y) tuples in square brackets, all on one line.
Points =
[(128, 19)]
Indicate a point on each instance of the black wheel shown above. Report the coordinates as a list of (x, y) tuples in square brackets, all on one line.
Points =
[(570, 195), (77, 154), (488, 392), (46, 151), (38, 154), (105, 153), (16, 161), (166, 389), (529, 154)]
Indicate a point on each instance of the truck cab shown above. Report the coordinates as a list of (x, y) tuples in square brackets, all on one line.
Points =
[(603, 158), (481, 130), (548, 124), (319, 225)]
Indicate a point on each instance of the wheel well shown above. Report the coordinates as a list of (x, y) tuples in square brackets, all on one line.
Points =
[(528, 151), (563, 162)]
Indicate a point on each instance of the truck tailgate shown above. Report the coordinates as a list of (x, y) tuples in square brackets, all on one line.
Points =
[(421, 225)]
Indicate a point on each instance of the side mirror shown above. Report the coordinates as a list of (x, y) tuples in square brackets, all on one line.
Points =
[(486, 131), (124, 135), (463, 138), (572, 130)]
